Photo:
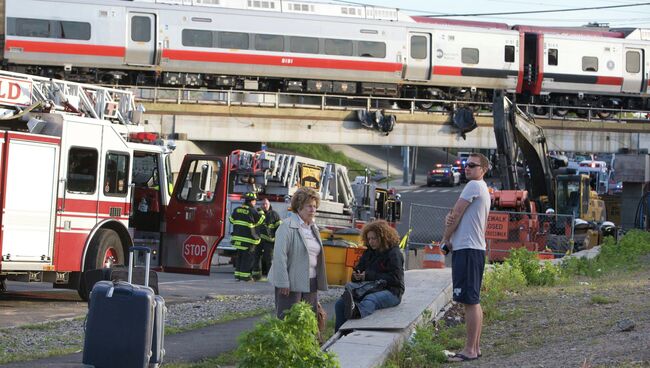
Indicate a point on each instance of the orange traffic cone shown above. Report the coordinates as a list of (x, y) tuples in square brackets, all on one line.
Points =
[(433, 257)]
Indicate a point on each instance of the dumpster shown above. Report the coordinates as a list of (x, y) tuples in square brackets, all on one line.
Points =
[(340, 257), (348, 233)]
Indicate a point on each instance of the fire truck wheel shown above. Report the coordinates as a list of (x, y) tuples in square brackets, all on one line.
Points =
[(105, 250)]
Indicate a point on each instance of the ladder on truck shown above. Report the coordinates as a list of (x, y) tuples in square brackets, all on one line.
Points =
[(278, 174), (23, 93)]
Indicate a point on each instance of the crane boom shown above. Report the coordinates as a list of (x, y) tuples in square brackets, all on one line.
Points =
[(515, 132)]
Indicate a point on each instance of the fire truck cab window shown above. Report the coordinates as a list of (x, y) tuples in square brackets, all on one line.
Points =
[(116, 174), (145, 170), (191, 190), (82, 170)]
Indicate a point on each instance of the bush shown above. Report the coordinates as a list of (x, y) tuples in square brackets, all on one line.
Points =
[(285, 343), (501, 279), (534, 272), (628, 254)]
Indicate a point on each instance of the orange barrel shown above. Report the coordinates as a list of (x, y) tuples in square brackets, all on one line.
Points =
[(433, 257)]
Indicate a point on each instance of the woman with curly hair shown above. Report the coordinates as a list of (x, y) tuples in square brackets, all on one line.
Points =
[(383, 260)]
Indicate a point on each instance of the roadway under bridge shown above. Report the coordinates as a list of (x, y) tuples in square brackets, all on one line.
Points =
[(238, 123)]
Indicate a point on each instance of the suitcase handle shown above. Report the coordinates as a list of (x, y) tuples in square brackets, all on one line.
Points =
[(147, 263)]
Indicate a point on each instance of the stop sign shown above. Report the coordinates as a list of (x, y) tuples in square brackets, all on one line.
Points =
[(195, 250)]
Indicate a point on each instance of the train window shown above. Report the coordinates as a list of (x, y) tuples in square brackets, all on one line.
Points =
[(418, 47), (267, 42), (632, 62), (305, 45), (82, 170), (198, 38), (116, 173), (469, 55), (48, 28), (140, 29), (338, 47), (233, 40), (27, 27), (509, 54), (372, 49), (552, 56), (75, 30), (589, 64)]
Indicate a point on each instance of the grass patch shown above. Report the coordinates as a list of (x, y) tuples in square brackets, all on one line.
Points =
[(6, 358), (225, 318), (523, 276), (225, 359), (600, 299), (324, 153)]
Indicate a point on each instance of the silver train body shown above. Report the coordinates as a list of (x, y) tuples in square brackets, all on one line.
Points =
[(273, 45)]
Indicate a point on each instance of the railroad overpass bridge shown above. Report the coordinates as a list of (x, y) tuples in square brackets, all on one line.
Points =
[(205, 122)]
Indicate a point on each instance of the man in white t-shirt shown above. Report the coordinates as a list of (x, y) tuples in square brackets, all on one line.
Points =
[(465, 235)]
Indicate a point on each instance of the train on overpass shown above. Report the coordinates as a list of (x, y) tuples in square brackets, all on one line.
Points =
[(299, 46)]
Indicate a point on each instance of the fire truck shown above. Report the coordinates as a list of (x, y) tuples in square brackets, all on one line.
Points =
[(276, 176), (81, 182)]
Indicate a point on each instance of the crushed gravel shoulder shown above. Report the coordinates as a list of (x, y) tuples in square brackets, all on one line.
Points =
[(66, 336), (601, 322)]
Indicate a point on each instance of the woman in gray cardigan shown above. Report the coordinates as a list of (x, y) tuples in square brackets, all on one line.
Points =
[(298, 267)]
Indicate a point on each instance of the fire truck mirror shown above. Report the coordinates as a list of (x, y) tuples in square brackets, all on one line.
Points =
[(206, 178)]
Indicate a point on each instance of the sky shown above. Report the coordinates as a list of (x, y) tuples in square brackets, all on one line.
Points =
[(636, 16)]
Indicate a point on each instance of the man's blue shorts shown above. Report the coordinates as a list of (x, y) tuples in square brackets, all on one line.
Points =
[(467, 267)]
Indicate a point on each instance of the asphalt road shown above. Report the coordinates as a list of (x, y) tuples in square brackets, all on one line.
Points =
[(28, 303)]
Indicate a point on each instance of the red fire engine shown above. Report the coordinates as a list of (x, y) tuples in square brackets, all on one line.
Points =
[(81, 183)]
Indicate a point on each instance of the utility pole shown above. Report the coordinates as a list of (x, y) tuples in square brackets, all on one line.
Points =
[(406, 155)]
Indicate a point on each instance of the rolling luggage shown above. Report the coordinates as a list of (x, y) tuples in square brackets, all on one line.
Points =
[(125, 323), (119, 273)]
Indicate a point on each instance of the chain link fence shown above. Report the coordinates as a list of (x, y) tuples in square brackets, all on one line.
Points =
[(548, 235)]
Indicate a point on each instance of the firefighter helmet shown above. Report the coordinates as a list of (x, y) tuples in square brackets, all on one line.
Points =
[(250, 196)]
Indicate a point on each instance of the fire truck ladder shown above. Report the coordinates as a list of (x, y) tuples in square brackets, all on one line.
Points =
[(89, 100)]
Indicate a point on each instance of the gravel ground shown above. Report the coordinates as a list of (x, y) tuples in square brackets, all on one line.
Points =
[(589, 323), (66, 336)]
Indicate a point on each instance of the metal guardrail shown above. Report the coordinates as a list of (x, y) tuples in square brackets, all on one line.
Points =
[(392, 105)]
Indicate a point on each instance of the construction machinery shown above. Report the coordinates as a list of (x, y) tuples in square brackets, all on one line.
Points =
[(532, 181)]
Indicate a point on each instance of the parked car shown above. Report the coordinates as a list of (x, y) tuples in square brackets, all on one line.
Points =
[(443, 174)]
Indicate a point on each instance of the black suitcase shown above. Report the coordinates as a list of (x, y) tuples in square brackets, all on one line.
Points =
[(119, 273), (121, 323)]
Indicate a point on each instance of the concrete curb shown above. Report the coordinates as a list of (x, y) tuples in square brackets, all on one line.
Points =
[(378, 335)]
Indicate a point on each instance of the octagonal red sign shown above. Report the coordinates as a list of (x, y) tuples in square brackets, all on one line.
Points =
[(195, 250)]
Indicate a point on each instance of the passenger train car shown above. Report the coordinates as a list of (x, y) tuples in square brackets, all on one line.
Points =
[(325, 48)]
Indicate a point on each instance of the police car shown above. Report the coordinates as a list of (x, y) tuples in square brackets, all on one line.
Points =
[(443, 174)]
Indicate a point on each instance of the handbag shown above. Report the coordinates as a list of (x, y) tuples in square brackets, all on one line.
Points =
[(360, 290)]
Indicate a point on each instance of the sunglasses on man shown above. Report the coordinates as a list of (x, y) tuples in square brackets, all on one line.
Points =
[(472, 165)]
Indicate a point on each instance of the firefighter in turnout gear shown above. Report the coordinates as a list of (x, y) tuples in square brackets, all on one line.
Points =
[(244, 237), (264, 251)]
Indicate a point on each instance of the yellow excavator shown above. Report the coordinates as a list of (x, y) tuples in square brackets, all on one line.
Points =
[(546, 179)]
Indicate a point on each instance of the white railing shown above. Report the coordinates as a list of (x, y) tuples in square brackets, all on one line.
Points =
[(393, 105)]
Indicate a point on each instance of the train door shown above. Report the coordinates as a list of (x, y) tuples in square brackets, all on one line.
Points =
[(633, 71), (141, 45), (419, 57)]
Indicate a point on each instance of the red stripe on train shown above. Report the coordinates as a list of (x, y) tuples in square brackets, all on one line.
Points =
[(289, 61), (447, 70), (613, 81), (65, 48)]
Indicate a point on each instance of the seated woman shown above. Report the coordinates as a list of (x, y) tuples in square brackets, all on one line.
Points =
[(383, 260)]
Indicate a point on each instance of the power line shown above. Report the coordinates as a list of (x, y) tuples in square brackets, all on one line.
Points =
[(535, 11)]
